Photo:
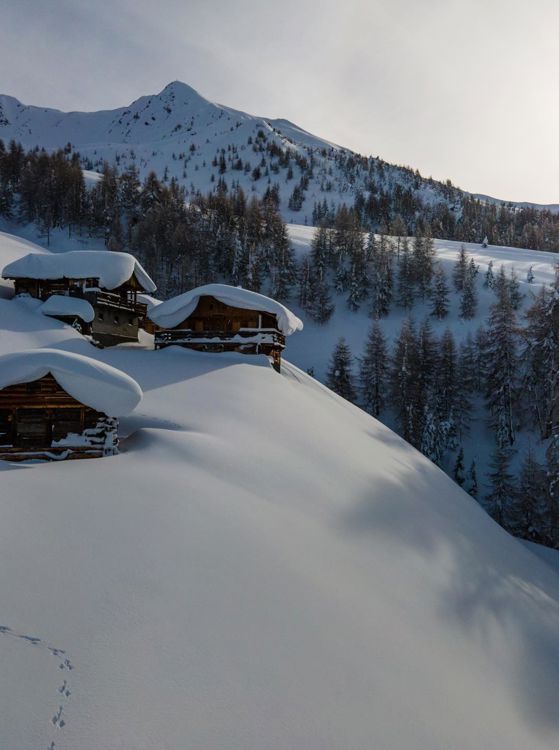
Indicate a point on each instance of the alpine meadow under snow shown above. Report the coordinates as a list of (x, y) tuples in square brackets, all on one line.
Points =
[(262, 565)]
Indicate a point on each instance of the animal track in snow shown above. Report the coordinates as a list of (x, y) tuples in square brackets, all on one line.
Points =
[(63, 691)]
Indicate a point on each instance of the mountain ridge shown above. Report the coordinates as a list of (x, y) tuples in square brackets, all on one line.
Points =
[(180, 134)]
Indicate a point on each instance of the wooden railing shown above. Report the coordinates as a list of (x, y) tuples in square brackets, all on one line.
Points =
[(108, 299), (266, 336)]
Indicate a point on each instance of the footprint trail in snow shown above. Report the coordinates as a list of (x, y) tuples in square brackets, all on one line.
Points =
[(64, 664)]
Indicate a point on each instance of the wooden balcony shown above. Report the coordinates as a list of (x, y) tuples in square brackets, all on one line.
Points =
[(253, 339), (116, 301)]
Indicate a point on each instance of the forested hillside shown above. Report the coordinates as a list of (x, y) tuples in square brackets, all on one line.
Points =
[(206, 147), (461, 360)]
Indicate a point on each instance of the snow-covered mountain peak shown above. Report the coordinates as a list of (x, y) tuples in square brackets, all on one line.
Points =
[(180, 134)]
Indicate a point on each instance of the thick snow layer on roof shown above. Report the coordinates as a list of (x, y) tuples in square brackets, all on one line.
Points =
[(112, 269), (61, 305), (169, 314), (89, 381), (148, 300)]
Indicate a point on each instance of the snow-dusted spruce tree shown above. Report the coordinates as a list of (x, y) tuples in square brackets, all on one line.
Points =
[(373, 372), (489, 278), (357, 281), (448, 384), (406, 291), (502, 373), (319, 306), (502, 490), (423, 258), (465, 386), (458, 470), (321, 248), (540, 358), (304, 278), (460, 269), (439, 400), (515, 294), (471, 485), (399, 230), (529, 515), (481, 343), (468, 301), (380, 289), (346, 242), (403, 384), (439, 294), (339, 377)]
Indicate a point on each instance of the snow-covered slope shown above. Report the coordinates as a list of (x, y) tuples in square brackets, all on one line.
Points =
[(263, 566), (314, 346), (178, 133)]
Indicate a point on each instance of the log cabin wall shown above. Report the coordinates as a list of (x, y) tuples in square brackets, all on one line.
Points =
[(41, 420), (212, 315)]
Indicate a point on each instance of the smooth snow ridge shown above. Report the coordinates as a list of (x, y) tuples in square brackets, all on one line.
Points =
[(169, 314), (111, 268), (93, 383), (58, 304)]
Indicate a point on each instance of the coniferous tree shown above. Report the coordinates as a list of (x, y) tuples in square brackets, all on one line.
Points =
[(515, 294), (373, 372), (471, 486), (502, 490), (439, 297), (502, 367), (405, 277), (403, 384), (320, 306), (468, 301), (423, 259), (380, 291), (539, 358), (458, 470), (339, 377), (460, 269), (304, 282), (489, 279), (529, 516)]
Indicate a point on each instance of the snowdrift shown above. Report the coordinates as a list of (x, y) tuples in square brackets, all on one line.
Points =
[(262, 566), (60, 305)]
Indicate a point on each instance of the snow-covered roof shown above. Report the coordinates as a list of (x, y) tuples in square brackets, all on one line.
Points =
[(93, 383), (148, 300), (111, 268), (172, 312), (62, 305)]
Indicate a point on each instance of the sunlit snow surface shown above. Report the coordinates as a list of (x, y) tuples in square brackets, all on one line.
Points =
[(263, 566)]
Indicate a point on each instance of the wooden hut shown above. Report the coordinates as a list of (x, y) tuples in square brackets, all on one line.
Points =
[(217, 318), (95, 291), (57, 405)]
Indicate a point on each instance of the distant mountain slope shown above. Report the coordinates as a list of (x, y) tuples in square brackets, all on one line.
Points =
[(180, 134)]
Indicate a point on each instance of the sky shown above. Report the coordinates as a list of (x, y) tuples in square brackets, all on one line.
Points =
[(459, 89)]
